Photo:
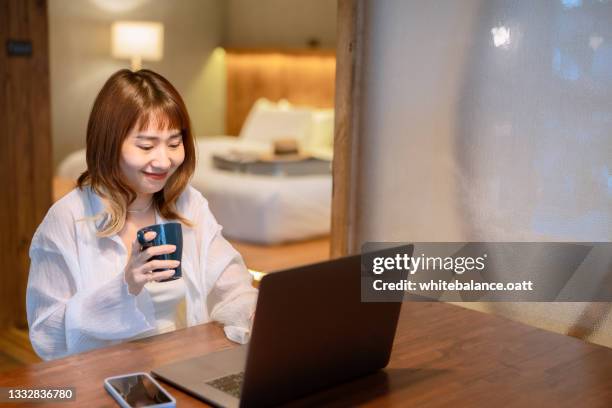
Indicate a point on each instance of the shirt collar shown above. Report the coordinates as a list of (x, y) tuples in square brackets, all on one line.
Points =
[(97, 207)]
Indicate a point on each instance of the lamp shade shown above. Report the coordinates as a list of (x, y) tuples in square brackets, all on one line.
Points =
[(138, 39)]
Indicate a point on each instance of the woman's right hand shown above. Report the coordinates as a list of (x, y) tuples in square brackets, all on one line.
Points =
[(139, 270)]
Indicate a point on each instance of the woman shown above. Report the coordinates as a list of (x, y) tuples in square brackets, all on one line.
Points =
[(90, 285)]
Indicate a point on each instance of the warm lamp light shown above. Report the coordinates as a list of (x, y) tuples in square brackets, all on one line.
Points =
[(137, 41)]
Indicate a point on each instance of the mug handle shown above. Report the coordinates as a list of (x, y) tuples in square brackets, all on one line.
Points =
[(141, 236)]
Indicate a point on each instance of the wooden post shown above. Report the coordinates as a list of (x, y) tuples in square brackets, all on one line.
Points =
[(25, 150), (349, 55)]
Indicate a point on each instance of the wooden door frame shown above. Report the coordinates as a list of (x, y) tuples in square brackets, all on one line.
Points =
[(347, 126), (25, 149)]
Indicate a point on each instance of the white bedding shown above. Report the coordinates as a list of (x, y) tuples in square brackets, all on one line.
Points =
[(262, 209), (259, 209)]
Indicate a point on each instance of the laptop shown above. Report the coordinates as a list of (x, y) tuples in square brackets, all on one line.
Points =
[(311, 331)]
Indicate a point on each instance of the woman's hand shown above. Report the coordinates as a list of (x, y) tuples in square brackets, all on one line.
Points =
[(139, 270)]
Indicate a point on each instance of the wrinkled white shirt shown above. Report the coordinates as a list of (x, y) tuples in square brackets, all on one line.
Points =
[(168, 298), (77, 298)]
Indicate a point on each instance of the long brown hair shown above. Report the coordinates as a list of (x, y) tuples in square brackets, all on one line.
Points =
[(130, 100)]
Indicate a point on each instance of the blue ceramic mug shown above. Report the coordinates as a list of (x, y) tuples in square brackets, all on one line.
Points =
[(167, 234)]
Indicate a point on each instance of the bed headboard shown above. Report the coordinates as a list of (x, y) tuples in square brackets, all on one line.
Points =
[(303, 77)]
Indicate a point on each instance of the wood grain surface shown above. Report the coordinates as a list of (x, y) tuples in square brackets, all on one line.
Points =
[(25, 150), (270, 258), (303, 77), (346, 165), (443, 355)]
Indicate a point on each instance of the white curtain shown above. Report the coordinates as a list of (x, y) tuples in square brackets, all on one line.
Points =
[(490, 120)]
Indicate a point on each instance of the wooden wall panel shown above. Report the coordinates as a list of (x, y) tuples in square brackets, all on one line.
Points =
[(346, 165), (25, 151), (303, 77)]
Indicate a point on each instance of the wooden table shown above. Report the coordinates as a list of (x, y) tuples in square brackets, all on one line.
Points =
[(443, 355)]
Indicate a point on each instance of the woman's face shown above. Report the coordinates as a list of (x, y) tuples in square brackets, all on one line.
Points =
[(149, 157)]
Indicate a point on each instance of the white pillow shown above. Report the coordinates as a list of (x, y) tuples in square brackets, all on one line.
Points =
[(322, 131), (268, 122)]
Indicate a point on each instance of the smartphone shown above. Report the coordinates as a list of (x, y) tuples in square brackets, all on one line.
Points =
[(138, 390)]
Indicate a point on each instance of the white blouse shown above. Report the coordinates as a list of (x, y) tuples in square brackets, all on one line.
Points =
[(77, 298), (168, 304)]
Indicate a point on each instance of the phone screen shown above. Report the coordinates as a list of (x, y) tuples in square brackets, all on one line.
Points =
[(139, 391)]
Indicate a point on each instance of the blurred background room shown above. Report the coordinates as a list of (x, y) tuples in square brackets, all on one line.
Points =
[(251, 73), (258, 82)]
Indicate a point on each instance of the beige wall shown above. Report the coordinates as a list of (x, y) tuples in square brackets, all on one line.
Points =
[(280, 23)]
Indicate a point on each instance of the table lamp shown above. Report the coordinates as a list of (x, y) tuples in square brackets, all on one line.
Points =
[(137, 41)]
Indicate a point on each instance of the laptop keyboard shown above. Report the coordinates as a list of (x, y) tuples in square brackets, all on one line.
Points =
[(230, 384)]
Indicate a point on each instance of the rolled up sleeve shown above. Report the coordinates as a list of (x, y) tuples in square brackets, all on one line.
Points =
[(231, 297)]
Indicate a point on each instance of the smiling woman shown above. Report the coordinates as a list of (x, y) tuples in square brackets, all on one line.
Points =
[(131, 122), (91, 283)]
